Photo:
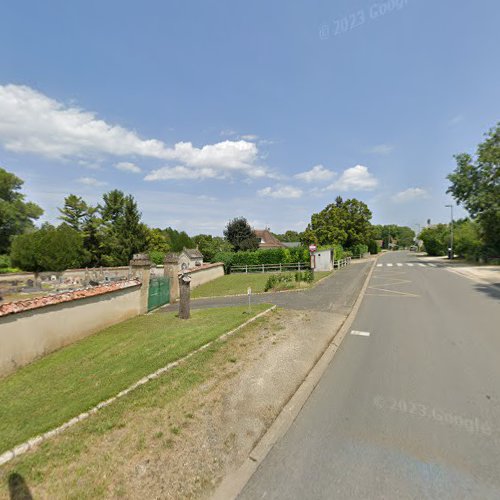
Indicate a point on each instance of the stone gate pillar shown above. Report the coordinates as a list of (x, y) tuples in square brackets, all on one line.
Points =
[(140, 267), (171, 270)]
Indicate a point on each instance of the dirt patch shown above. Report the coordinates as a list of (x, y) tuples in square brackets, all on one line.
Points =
[(181, 449)]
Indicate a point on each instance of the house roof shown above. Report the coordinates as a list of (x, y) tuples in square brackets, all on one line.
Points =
[(193, 253), (268, 240)]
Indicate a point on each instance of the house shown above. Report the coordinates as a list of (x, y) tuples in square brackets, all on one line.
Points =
[(267, 239), (189, 258)]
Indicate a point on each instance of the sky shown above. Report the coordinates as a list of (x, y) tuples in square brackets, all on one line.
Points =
[(206, 111)]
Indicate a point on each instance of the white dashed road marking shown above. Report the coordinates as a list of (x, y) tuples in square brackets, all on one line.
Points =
[(409, 264), (357, 332), (399, 264), (379, 265), (389, 265)]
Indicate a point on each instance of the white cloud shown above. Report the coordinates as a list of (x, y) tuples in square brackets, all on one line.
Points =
[(249, 137), (410, 194), (127, 166), (281, 192), (228, 132), (181, 172), (316, 174), (91, 181), (356, 178), (382, 149), (31, 122)]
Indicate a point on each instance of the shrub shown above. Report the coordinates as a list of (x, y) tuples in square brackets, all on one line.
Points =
[(373, 247), (258, 257), (157, 257), (308, 276), (4, 261), (359, 249), (275, 280)]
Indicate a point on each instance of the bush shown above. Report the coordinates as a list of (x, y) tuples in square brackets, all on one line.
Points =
[(359, 249), (373, 247), (4, 261), (275, 280), (258, 257), (338, 252), (157, 257), (436, 239)]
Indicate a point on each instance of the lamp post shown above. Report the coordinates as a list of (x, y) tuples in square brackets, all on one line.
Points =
[(450, 250)]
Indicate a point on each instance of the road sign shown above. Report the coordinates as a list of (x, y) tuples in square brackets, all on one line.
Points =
[(312, 248)]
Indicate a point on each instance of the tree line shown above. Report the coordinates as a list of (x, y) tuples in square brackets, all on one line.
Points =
[(475, 184)]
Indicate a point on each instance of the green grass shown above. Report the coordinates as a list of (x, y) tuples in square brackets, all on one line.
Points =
[(68, 466), (72, 380), (234, 284)]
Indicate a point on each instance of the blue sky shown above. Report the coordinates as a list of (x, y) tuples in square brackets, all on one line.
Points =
[(205, 111)]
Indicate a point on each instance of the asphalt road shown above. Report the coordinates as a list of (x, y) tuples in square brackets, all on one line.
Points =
[(336, 293), (410, 411)]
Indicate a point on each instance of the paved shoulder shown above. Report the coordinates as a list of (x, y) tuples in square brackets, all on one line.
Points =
[(336, 293)]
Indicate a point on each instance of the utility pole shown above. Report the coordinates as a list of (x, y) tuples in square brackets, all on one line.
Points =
[(450, 250)]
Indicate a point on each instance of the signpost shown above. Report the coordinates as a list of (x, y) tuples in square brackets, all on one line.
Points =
[(249, 293), (312, 249)]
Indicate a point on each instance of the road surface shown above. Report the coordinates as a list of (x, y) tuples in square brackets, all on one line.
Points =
[(410, 405)]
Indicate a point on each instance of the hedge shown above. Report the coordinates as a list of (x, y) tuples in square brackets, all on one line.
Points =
[(259, 257)]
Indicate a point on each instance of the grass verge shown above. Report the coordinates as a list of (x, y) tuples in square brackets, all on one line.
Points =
[(84, 461), (235, 284), (72, 380)]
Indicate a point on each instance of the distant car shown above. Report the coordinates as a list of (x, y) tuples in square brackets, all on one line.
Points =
[(413, 248)]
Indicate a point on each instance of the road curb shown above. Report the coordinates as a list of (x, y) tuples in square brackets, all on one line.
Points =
[(232, 485)]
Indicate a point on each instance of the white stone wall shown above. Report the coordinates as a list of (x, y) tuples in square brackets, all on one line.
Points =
[(28, 335)]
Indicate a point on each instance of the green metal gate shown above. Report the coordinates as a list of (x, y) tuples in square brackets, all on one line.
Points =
[(159, 292)]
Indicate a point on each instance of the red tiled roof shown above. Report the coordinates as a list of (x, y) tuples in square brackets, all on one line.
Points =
[(270, 241), (59, 298)]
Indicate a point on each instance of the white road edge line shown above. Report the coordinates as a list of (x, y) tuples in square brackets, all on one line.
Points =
[(357, 332)]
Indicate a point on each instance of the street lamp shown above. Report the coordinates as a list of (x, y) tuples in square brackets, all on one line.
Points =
[(450, 250)]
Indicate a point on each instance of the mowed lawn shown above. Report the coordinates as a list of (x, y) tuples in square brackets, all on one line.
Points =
[(64, 384), (238, 283)]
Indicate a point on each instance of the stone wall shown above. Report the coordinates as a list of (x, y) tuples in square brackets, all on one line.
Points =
[(33, 328), (206, 273)]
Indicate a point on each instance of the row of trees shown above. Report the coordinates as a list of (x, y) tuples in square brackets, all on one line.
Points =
[(466, 239), (475, 184)]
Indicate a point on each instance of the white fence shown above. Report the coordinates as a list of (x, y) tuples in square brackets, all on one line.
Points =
[(271, 268), (341, 263)]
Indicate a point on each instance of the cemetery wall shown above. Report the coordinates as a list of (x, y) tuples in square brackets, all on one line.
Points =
[(33, 328)]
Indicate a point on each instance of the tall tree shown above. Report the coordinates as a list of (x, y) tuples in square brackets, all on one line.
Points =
[(239, 233), (48, 249), (16, 215), (178, 240), (74, 212), (123, 233), (210, 245), (343, 222), (475, 183)]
